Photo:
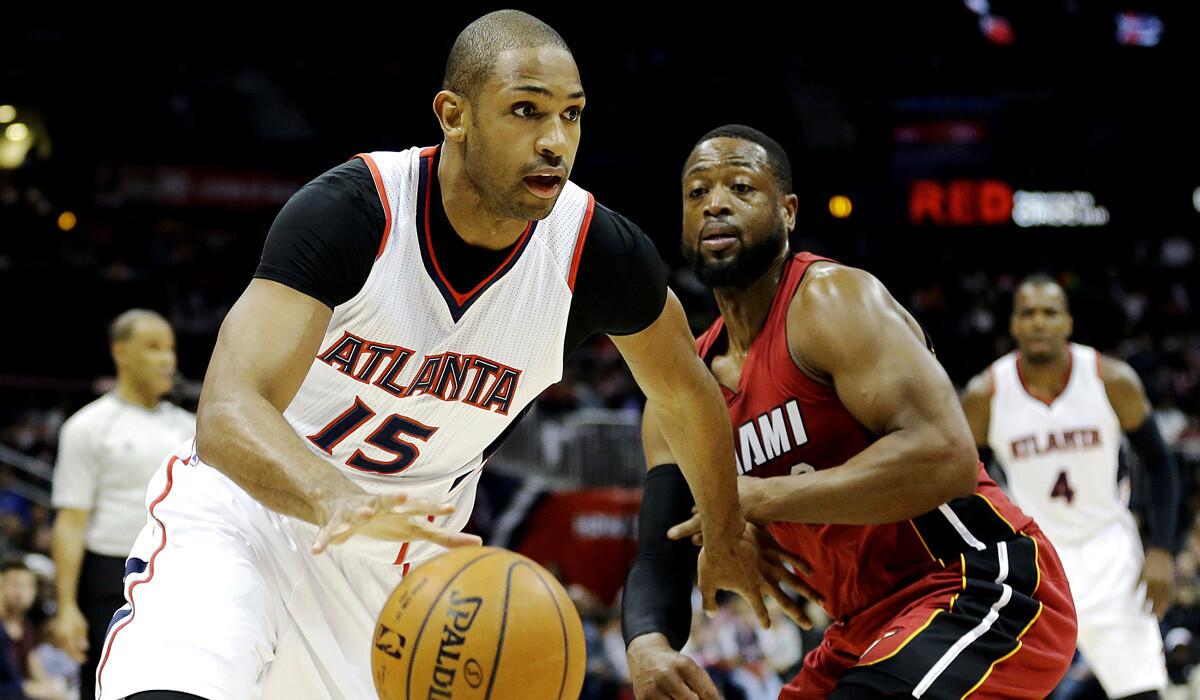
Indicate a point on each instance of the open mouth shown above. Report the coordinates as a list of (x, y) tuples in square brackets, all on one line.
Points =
[(544, 186)]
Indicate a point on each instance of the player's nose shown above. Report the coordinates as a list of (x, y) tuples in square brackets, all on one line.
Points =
[(553, 141), (716, 204)]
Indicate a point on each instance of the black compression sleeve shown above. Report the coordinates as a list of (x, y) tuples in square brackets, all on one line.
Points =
[(658, 590), (324, 240), (621, 284), (1164, 483)]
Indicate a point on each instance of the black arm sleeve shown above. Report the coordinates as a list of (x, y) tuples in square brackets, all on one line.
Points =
[(658, 590), (324, 240), (621, 284), (1164, 483)]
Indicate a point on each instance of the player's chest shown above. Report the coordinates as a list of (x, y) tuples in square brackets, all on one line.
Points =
[(784, 424)]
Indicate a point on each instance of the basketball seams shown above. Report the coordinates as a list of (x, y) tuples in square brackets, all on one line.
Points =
[(424, 622), (503, 627), (562, 623)]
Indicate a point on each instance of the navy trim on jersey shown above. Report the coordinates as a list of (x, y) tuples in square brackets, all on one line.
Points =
[(457, 303)]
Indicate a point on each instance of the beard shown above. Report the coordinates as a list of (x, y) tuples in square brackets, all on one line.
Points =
[(740, 270), (497, 198)]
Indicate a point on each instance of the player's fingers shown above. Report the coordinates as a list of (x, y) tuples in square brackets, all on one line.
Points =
[(791, 608), (672, 685), (422, 506), (699, 682), (444, 537), (685, 529), (796, 562), (708, 594), (789, 578), (760, 605), (337, 530)]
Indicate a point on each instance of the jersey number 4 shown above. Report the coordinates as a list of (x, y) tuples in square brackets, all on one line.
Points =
[(1062, 488), (388, 436)]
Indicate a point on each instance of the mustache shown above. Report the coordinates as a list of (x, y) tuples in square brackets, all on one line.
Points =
[(545, 163)]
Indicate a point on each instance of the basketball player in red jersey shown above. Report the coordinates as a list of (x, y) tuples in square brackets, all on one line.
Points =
[(854, 455)]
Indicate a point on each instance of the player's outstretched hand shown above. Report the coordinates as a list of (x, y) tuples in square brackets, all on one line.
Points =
[(777, 567), (658, 672), (392, 516), (733, 564)]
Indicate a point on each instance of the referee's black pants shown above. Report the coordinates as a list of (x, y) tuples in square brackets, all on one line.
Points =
[(101, 593)]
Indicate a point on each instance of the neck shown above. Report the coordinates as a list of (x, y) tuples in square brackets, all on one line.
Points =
[(129, 391), (471, 220), (11, 618), (745, 310), (1047, 374)]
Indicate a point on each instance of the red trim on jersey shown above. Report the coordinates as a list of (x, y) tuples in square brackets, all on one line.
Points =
[(383, 199), (583, 232), (459, 297), (1061, 389), (154, 555), (427, 152)]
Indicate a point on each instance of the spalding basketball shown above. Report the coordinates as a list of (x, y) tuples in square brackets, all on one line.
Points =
[(479, 622)]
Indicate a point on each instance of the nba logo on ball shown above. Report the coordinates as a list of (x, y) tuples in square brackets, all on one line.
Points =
[(478, 622)]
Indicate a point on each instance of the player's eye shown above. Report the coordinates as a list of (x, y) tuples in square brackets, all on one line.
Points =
[(524, 109), (742, 188), (696, 192), (574, 113)]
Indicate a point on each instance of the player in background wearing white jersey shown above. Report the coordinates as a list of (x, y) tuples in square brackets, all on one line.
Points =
[(238, 586), (1051, 414)]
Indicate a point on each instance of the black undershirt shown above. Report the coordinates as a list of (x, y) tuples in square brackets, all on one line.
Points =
[(324, 241)]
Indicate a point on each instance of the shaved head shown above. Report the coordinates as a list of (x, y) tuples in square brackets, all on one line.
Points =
[(476, 48)]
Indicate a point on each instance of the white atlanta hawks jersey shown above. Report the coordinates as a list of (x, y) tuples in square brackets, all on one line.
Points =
[(1060, 458), (415, 380)]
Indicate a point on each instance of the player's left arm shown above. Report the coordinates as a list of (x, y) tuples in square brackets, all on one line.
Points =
[(1133, 409), (844, 325)]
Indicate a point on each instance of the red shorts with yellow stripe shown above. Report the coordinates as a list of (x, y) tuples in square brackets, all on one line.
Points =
[(999, 624)]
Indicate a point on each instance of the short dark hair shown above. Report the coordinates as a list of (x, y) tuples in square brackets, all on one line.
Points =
[(122, 326), (777, 158), (475, 50), (1041, 279)]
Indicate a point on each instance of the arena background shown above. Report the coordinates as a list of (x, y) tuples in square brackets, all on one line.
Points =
[(975, 143)]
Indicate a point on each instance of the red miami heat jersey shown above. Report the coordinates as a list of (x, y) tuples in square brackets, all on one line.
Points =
[(787, 423)]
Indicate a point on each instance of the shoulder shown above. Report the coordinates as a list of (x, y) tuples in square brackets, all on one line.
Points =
[(833, 299), (91, 416), (1117, 375), (346, 181), (613, 234), (980, 387)]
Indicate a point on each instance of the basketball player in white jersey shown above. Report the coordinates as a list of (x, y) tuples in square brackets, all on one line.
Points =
[(1052, 414), (409, 306)]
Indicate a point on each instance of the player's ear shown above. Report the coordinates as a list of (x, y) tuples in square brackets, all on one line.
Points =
[(452, 110), (118, 352), (788, 205)]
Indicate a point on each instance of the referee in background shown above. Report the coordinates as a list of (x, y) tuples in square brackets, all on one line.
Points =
[(107, 452)]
